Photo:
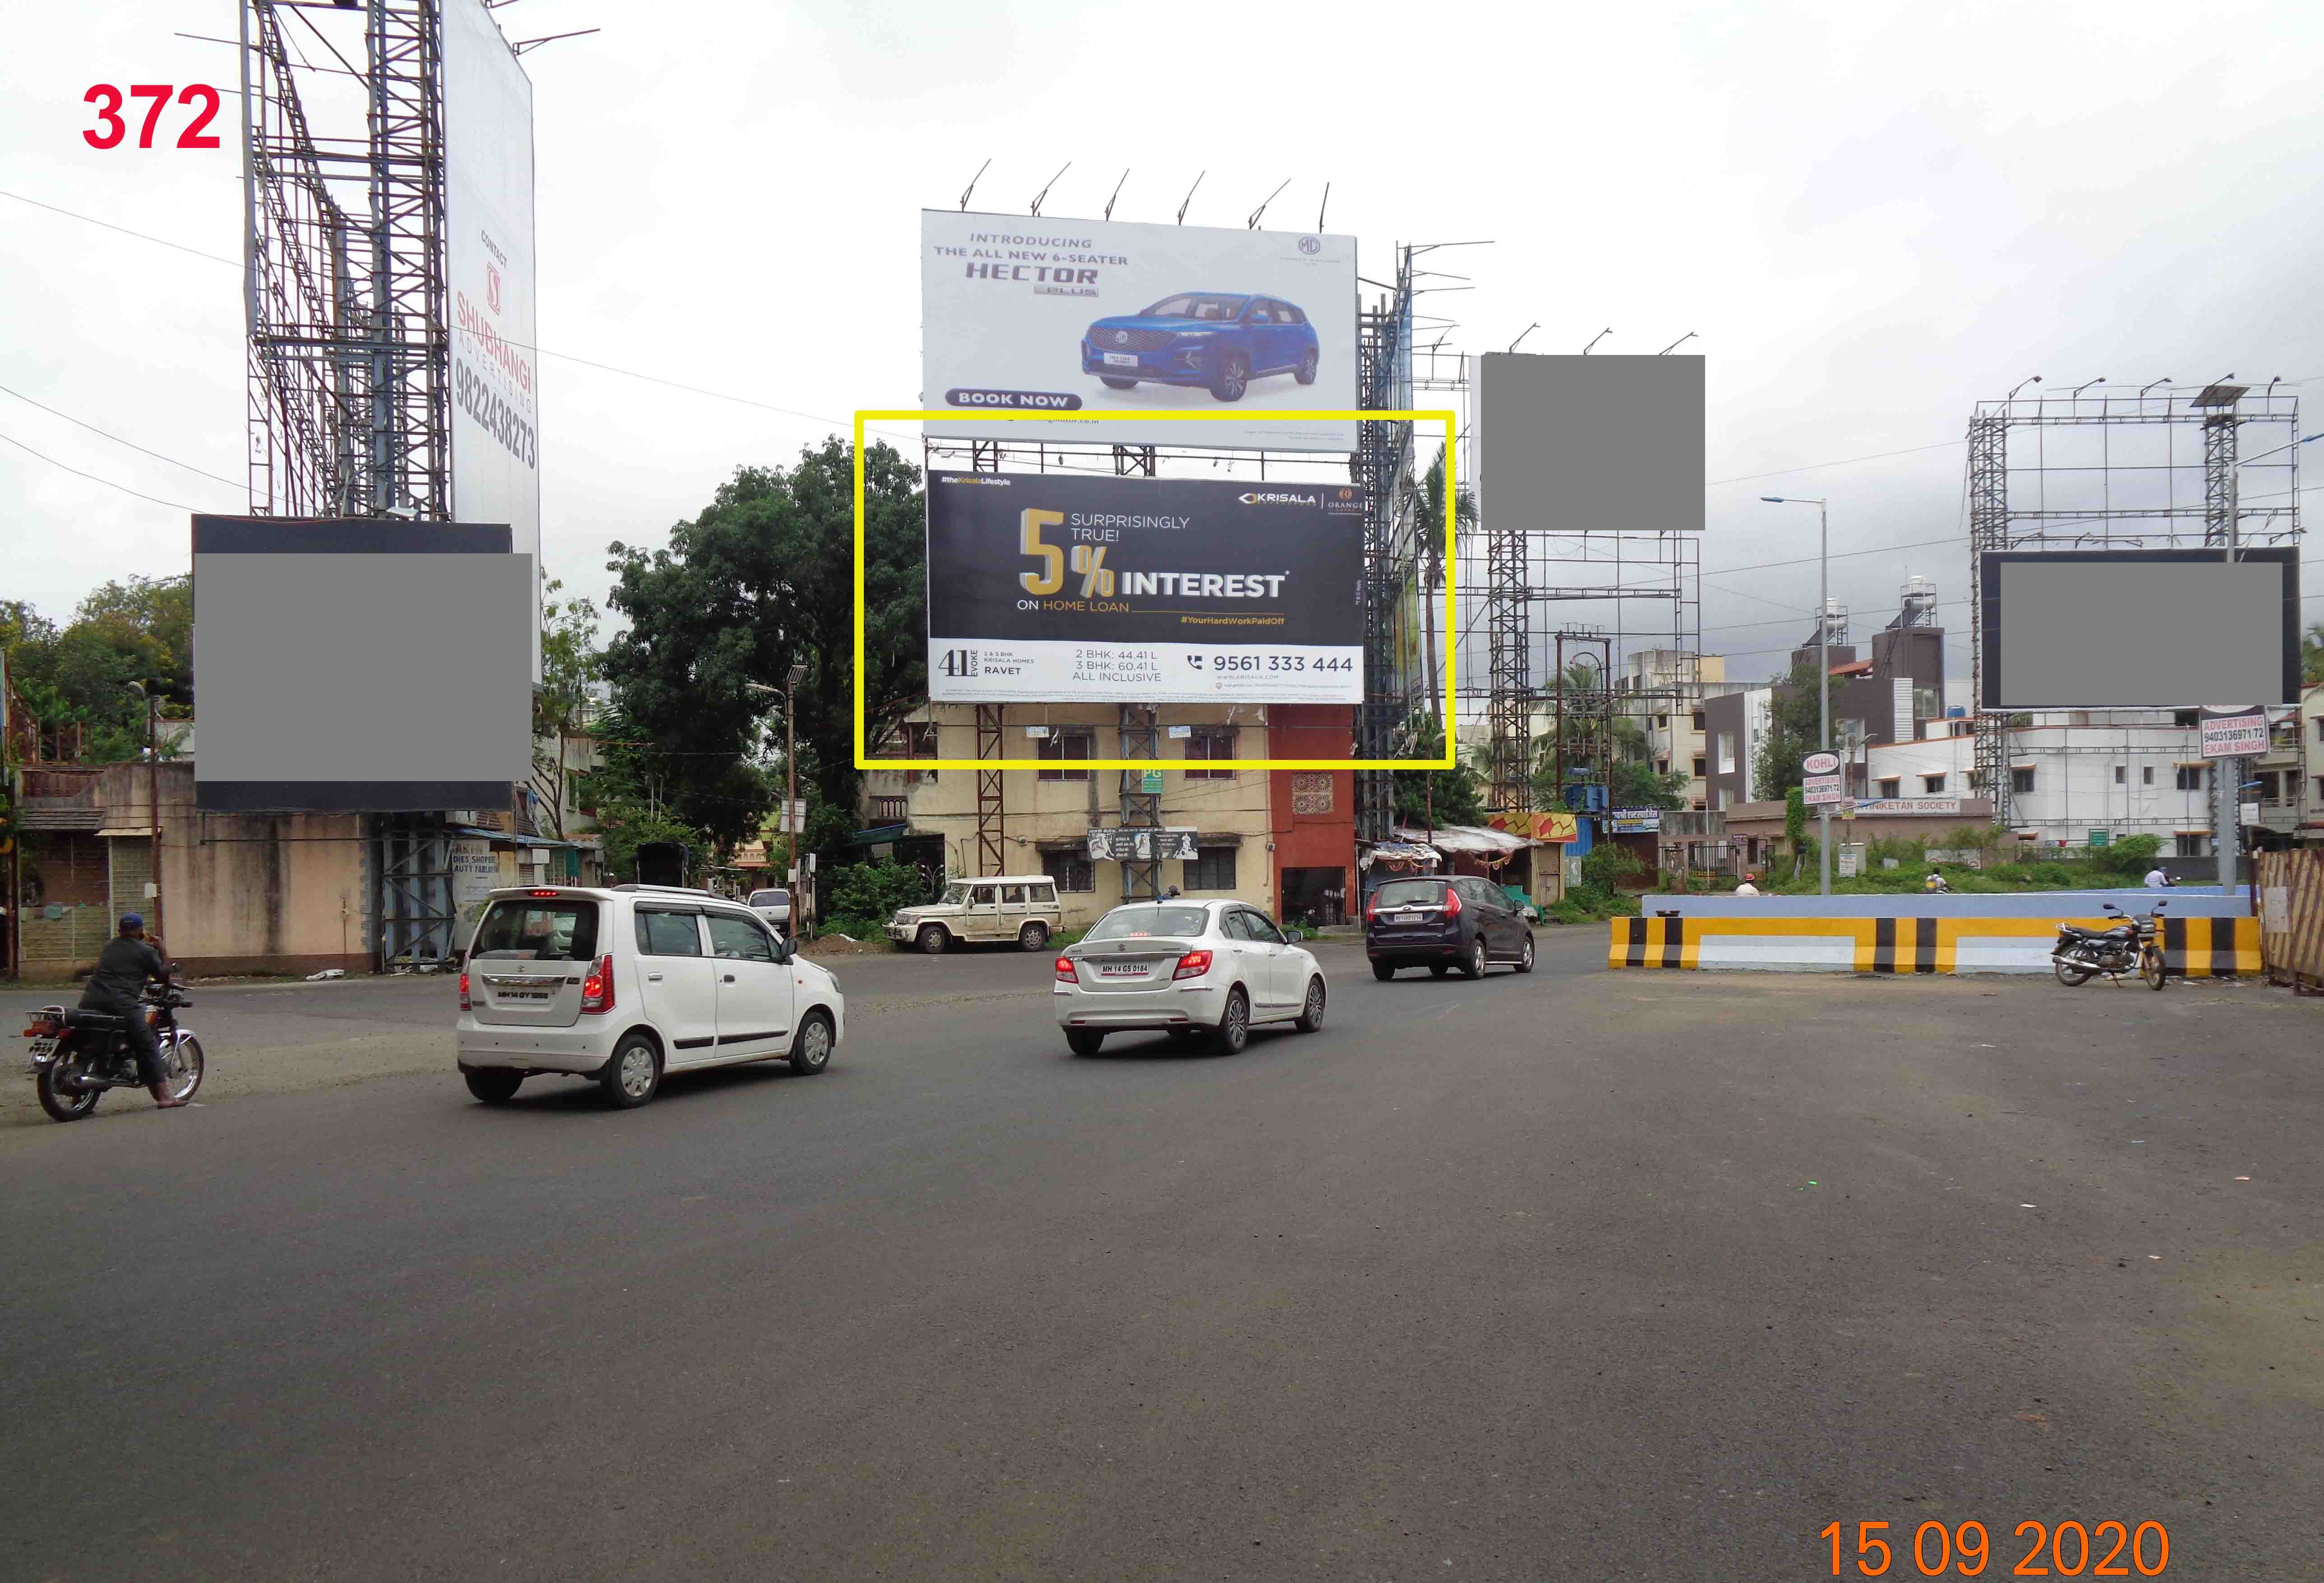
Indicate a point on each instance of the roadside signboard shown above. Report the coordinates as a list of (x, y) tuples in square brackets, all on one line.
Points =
[(1822, 789), (1851, 862), (1819, 764), (2234, 736), (2101, 837), (1118, 845), (1938, 805), (1636, 821)]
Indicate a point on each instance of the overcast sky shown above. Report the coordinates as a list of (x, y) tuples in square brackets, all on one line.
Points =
[(1871, 215)]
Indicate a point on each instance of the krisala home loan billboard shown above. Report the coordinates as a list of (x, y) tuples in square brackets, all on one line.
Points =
[(1043, 588), (1088, 317)]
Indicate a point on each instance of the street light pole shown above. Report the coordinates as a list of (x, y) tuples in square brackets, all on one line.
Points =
[(1823, 668), (790, 791), (153, 792)]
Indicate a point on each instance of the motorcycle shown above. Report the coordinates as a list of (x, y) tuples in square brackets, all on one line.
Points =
[(78, 1054), (2126, 945)]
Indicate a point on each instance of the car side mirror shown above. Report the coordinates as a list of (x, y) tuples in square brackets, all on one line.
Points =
[(784, 951)]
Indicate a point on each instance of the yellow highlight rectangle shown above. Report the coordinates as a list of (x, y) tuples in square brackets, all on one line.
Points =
[(862, 760)]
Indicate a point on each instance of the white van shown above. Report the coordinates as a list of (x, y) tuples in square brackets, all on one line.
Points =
[(624, 984), (1019, 907)]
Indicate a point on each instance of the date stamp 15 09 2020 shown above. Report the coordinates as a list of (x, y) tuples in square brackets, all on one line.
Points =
[(2108, 1549)]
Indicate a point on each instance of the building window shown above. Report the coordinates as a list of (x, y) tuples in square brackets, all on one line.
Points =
[(1894, 786), (2021, 777), (1310, 792), (2191, 777), (1702, 766), (1211, 742), (2121, 773), (1698, 720), (2267, 786), (2320, 728), (1727, 752), (2187, 717), (2319, 788), (1068, 744), (1931, 785), (891, 810), (2190, 846), (920, 739), (2146, 775), (1212, 869), (1071, 870), (1662, 723)]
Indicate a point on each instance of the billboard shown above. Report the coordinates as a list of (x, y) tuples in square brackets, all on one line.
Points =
[(2140, 629), (488, 283), (1073, 588), (368, 665), (1585, 444), (1110, 318)]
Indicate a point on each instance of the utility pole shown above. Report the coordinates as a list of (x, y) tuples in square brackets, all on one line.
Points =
[(790, 791), (1823, 669), (2228, 774), (152, 700)]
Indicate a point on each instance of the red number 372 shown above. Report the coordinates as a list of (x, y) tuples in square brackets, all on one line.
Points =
[(112, 128)]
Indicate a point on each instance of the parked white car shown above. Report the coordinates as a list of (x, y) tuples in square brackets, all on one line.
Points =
[(628, 984), (1189, 968), (1019, 907), (774, 906)]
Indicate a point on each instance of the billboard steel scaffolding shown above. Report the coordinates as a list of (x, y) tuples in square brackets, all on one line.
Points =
[(2101, 467)]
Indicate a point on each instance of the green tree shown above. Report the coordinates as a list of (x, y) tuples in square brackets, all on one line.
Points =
[(1431, 516), (1451, 796), (569, 663), (759, 580), (140, 629), (1795, 728), (867, 895), (2311, 654)]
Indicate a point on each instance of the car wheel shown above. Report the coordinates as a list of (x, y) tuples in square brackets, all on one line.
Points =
[(1383, 970), (1033, 936), (494, 1085), (1233, 1031), (1310, 1015), (1084, 1041), (1525, 960), (1475, 966), (634, 1073), (1112, 383), (811, 1051), (1305, 372), (932, 939), (1232, 377)]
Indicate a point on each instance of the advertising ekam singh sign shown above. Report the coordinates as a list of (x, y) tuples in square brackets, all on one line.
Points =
[(1058, 588)]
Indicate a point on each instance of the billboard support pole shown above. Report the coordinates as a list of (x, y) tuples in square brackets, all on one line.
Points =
[(1141, 877), (2228, 774), (990, 814)]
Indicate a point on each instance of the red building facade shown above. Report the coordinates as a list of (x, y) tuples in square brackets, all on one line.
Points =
[(1313, 813)]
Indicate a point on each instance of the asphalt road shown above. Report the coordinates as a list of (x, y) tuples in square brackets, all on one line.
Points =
[(1578, 1275)]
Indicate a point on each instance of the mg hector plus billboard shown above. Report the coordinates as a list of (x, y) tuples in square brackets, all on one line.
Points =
[(1106, 319), (1085, 589), (489, 280)]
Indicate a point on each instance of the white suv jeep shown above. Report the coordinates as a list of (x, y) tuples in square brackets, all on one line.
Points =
[(626, 984)]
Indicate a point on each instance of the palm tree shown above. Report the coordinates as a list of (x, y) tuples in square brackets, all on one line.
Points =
[(1432, 497)]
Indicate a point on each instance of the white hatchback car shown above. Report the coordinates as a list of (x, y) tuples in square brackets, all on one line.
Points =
[(1188, 968), (626, 984)]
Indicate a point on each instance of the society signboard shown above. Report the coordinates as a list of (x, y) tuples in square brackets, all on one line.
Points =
[(1635, 820), (1107, 318), (488, 279), (1072, 588)]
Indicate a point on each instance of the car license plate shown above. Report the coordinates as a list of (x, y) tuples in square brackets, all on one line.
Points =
[(43, 1048), (1122, 360), (524, 994), (1121, 969)]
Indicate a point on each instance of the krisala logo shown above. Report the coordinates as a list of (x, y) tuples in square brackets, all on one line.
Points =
[(1100, 581), (1276, 498)]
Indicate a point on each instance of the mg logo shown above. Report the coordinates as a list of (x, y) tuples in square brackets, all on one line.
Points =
[(1310, 245), (1122, 338), (492, 287)]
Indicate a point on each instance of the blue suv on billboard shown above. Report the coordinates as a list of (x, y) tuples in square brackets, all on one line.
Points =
[(1216, 339)]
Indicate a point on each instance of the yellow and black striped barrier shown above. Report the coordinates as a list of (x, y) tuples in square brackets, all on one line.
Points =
[(2194, 948)]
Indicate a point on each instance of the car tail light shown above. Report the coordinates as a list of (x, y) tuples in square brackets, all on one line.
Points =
[(1451, 902), (597, 989), (1065, 973), (545, 893), (1192, 965), (465, 1006), (1371, 906)]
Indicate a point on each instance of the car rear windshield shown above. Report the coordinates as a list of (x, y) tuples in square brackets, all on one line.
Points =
[(1140, 923), (1197, 305), (538, 931), (1410, 893), (770, 898)]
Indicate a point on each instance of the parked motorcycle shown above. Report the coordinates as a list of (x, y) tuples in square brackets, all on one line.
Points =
[(78, 1054), (2127, 944)]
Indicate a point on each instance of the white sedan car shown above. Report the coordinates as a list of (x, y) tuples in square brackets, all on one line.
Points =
[(1186, 968)]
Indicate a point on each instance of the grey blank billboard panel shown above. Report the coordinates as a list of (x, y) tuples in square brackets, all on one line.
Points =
[(1585, 444), (2140, 629), (360, 664)]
